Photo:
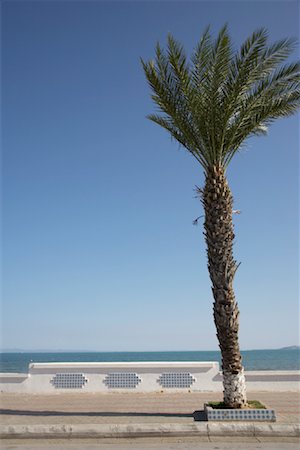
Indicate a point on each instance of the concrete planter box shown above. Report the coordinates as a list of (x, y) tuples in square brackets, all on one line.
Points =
[(246, 415)]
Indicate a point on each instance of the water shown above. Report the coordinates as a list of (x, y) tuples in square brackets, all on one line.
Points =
[(252, 359)]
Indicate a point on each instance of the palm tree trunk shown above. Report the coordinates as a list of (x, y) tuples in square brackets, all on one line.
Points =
[(219, 235)]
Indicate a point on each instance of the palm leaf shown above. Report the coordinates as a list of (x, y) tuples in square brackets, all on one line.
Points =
[(213, 103)]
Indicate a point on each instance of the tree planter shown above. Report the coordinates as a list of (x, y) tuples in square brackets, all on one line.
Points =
[(257, 415)]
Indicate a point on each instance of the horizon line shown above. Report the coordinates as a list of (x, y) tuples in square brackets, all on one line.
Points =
[(17, 350)]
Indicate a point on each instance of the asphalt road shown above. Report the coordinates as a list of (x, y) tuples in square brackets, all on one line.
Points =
[(153, 444)]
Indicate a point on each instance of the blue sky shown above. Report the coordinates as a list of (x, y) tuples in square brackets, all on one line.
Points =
[(99, 250)]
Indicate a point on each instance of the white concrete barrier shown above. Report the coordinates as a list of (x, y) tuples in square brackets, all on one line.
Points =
[(112, 377), (48, 378)]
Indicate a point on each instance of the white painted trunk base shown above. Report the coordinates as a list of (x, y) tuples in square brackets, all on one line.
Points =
[(234, 388)]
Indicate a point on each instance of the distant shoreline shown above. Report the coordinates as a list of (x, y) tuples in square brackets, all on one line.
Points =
[(292, 347)]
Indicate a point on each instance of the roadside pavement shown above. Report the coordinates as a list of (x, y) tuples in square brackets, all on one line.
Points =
[(137, 415), (113, 407)]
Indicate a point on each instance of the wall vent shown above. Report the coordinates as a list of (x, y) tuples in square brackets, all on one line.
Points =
[(176, 380), (122, 380), (69, 381)]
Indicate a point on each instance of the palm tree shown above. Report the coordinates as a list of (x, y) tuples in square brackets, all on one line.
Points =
[(211, 105)]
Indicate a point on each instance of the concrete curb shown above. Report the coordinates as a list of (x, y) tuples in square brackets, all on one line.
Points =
[(147, 430)]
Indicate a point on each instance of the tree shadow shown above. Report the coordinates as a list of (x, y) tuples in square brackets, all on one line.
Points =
[(196, 415)]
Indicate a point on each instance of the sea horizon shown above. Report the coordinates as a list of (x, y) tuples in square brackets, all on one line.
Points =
[(287, 358), (50, 350)]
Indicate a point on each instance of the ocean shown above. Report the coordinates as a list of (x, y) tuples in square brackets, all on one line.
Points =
[(288, 359)]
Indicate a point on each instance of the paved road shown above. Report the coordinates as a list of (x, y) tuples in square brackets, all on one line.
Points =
[(155, 444)]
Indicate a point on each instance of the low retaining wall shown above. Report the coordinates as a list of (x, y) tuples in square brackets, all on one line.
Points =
[(48, 378)]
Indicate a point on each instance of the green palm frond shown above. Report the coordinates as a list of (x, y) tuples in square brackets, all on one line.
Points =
[(213, 103), (273, 96)]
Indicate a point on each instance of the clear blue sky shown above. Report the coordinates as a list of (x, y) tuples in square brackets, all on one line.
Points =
[(99, 248)]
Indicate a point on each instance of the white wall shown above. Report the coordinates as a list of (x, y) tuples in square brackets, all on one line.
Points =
[(47, 378)]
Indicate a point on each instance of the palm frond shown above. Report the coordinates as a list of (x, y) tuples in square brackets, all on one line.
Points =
[(201, 58), (212, 104), (175, 133)]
